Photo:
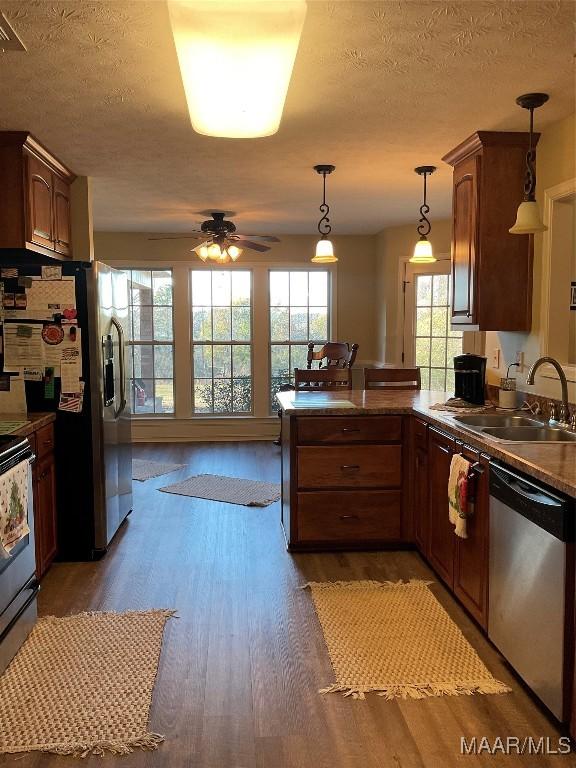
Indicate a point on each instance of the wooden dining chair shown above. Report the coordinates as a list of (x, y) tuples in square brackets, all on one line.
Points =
[(322, 380), (333, 354), (392, 378)]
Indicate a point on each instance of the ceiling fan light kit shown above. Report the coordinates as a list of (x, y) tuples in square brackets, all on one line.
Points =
[(528, 220), (236, 61), (423, 253), (324, 253)]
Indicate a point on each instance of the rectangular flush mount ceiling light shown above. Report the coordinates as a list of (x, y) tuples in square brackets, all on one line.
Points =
[(236, 60)]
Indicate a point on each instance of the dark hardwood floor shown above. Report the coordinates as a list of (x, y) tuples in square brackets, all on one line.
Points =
[(241, 666)]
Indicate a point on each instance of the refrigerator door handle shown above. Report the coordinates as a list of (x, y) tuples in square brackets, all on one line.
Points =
[(122, 361)]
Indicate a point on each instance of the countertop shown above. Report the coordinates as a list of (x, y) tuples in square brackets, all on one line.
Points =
[(552, 463), (35, 421)]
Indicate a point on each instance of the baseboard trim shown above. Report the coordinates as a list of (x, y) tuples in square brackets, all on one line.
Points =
[(204, 430)]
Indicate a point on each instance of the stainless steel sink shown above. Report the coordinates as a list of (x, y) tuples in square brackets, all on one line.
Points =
[(497, 420), (541, 434)]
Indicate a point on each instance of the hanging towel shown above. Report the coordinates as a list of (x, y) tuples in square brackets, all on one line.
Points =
[(458, 501), (13, 507)]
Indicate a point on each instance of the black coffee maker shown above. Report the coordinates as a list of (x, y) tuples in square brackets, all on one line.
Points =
[(470, 378)]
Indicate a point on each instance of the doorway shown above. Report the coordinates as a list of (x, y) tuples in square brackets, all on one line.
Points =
[(428, 340)]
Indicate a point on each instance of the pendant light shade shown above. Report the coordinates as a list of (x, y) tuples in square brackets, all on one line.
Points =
[(423, 249), (201, 251), (324, 248), (528, 220), (423, 252)]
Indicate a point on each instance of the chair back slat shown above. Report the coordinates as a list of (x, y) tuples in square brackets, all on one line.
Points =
[(392, 378), (322, 380), (333, 354)]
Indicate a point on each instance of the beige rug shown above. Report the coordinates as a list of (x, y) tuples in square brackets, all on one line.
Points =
[(396, 638), (142, 469), (233, 490), (83, 685)]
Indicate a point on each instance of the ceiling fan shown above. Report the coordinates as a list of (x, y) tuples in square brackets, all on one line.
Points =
[(221, 242)]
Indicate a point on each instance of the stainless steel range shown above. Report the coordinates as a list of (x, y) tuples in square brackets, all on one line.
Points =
[(18, 584)]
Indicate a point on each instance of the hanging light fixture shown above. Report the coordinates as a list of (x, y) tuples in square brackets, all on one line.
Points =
[(324, 248), (528, 219), (217, 252), (423, 248)]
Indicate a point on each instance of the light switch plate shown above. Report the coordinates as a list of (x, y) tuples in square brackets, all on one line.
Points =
[(496, 358)]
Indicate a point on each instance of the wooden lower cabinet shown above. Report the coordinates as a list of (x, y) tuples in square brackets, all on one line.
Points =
[(442, 541), (471, 554), (461, 563), (44, 489), (419, 485), (343, 481)]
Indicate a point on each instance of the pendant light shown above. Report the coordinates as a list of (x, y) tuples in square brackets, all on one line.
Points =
[(324, 248), (528, 219), (423, 248)]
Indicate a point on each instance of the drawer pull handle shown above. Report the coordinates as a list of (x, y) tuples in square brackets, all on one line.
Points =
[(348, 517), (350, 429), (351, 467)]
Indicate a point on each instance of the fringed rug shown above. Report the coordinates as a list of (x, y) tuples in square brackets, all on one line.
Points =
[(233, 490), (396, 639), (142, 469), (83, 685)]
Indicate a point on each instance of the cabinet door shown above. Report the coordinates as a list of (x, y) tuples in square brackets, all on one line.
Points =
[(464, 239), (420, 490), (471, 561), (45, 514), (62, 217), (39, 224), (442, 539)]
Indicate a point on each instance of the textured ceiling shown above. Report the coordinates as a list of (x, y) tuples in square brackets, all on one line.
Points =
[(377, 88)]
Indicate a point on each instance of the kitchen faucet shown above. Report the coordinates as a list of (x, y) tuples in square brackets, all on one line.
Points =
[(564, 412)]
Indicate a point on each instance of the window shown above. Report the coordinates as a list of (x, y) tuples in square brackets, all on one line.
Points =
[(222, 341), (435, 344), (299, 302), (151, 340)]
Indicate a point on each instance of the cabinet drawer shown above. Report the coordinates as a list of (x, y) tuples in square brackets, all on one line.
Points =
[(345, 466), (44, 440), (349, 429), (353, 516)]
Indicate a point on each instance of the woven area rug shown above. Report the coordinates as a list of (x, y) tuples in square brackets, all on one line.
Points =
[(142, 469), (396, 639), (83, 685), (233, 490)]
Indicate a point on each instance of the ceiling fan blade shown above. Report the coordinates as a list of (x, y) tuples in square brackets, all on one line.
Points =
[(253, 246), (267, 238), (179, 237)]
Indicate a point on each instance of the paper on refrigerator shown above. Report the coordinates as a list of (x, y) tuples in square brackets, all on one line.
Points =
[(23, 346)]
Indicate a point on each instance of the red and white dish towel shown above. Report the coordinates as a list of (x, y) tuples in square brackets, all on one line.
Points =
[(13, 507), (458, 497)]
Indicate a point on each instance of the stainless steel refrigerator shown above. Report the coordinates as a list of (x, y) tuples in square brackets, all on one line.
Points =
[(93, 447)]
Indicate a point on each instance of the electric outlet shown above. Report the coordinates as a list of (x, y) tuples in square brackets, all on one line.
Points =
[(496, 358), (520, 360)]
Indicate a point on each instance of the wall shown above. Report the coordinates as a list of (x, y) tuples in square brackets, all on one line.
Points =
[(555, 163), (356, 288), (393, 246)]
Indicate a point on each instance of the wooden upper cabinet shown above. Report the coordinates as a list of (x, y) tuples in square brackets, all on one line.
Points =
[(464, 241), (34, 197), (40, 220), (62, 239), (491, 269)]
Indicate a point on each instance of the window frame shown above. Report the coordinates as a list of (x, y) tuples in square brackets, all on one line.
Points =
[(329, 319), (132, 343), (221, 414)]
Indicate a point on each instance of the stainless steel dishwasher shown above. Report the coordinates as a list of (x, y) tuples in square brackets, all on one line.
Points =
[(531, 581)]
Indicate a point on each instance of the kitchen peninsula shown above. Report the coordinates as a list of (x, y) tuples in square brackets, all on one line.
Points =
[(361, 469)]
